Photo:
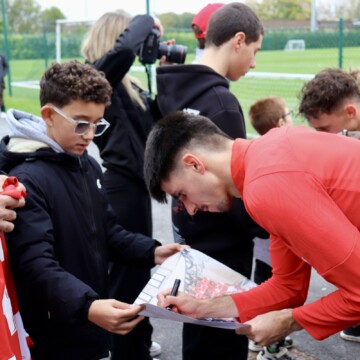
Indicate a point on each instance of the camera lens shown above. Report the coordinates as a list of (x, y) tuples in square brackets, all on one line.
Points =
[(173, 53)]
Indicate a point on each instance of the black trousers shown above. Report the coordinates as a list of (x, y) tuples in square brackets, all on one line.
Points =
[(201, 342), (262, 271), (132, 205)]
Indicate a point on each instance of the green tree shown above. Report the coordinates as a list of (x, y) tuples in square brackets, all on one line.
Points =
[(51, 14), (284, 9), (23, 16), (349, 10), (176, 21)]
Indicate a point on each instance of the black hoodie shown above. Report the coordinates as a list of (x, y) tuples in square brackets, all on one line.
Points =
[(60, 247), (226, 237)]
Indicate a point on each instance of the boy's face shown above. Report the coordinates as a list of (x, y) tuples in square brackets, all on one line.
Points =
[(244, 59), (62, 130)]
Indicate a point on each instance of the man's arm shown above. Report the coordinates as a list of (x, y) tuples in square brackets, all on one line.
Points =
[(314, 228)]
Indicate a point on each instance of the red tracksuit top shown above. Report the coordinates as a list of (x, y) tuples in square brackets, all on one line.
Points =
[(303, 187)]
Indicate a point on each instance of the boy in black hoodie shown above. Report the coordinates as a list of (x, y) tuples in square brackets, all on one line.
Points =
[(233, 37), (67, 232)]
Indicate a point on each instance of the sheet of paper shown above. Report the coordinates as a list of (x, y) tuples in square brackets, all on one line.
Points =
[(202, 277)]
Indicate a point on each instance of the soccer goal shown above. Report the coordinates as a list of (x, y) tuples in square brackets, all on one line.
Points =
[(295, 45), (70, 28)]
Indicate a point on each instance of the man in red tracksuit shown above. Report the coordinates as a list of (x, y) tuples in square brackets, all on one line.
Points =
[(301, 186)]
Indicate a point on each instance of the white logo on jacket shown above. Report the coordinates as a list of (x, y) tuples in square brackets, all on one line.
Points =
[(191, 111)]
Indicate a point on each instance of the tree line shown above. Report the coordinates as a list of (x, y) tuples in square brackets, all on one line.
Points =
[(26, 16)]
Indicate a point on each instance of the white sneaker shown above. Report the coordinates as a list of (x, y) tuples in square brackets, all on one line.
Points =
[(254, 346), (155, 349)]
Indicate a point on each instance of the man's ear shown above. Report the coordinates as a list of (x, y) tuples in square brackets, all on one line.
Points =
[(192, 161), (350, 110), (46, 113), (239, 39)]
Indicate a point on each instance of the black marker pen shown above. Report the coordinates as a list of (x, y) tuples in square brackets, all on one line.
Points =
[(174, 291)]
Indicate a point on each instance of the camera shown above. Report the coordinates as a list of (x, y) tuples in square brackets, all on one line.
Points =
[(152, 49)]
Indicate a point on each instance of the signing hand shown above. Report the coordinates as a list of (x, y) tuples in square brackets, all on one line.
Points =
[(181, 303), (115, 316)]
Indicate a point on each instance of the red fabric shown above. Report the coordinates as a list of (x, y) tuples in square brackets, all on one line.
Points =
[(9, 188), (14, 340), (201, 19), (303, 187)]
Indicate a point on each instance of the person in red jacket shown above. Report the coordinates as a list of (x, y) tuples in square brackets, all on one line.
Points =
[(330, 102), (314, 223), (15, 341)]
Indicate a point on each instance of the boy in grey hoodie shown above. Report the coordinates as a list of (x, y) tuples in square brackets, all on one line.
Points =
[(67, 232)]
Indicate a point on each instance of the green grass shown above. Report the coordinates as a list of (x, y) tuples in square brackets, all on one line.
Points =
[(247, 89)]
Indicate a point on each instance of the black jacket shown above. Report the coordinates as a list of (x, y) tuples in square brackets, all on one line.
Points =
[(225, 236), (122, 146), (60, 248)]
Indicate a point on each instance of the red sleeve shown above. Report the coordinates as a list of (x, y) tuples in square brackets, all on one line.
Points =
[(299, 213), (281, 291)]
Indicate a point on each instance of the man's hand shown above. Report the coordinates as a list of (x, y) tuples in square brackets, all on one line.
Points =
[(115, 316), (271, 327), (8, 203), (222, 306), (164, 251)]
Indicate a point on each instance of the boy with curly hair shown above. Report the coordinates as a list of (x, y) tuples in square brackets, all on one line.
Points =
[(66, 234)]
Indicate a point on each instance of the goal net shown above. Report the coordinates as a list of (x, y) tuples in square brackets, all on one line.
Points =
[(295, 44)]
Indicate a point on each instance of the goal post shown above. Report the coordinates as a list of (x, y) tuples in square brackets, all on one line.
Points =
[(60, 23), (295, 45)]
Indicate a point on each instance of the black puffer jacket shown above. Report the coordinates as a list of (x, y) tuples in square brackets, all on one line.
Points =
[(60, 248)]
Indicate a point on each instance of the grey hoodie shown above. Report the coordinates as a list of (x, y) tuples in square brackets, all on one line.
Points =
[(24, 125)]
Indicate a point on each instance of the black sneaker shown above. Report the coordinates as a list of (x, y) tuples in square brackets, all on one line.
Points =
[(351, 334)]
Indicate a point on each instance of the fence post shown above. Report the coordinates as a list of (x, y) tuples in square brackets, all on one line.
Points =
[(6, 43), (341, 42)]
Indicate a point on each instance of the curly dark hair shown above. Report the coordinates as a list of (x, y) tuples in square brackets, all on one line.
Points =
[(326, 92), (72, 80)]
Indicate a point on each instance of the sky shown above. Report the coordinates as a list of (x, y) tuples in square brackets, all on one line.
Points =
[(93, 9)]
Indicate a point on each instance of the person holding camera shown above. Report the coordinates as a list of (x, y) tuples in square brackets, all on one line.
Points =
[(111, 46)]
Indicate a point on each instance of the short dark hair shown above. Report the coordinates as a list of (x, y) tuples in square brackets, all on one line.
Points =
[(231, 19), (166, 141), (72, 80), (326, 92)]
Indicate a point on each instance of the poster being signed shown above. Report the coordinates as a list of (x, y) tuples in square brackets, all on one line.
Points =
[(201, 277)]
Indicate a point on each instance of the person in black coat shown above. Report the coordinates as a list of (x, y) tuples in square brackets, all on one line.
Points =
[(233, 37), (111, 46), (67, 232)]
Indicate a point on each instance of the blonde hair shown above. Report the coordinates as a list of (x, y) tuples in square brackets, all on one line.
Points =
[(101, 38)]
